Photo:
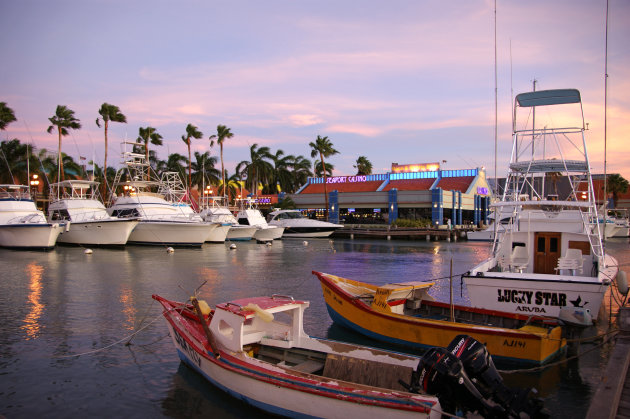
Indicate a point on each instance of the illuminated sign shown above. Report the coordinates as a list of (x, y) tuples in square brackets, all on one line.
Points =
[(346, 179), (420, 167), (482, 191)]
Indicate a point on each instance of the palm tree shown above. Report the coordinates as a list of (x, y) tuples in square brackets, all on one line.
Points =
[(175, 163), (148, 135), (223, 133), (63, 119), (282, 175), (191, 132), (301, 172), (616, 184), (258, 169), (363, 166), (109, 113), (203, 168), (319, 171), (13, 155), (6, 116), (324, 148)]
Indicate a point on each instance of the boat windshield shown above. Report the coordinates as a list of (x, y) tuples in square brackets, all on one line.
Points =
[(293, 215)]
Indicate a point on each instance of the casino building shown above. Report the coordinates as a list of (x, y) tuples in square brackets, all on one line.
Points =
[(414, 191)]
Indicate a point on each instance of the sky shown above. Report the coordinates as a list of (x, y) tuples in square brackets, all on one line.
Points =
[(397, 82)]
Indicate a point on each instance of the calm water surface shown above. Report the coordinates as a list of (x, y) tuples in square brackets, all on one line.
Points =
[(66, 321)]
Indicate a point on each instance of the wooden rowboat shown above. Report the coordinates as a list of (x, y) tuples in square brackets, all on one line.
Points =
[(405, 314), (256, 350)]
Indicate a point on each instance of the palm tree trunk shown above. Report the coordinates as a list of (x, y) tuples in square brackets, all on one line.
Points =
[(189, 164), (321, 156)]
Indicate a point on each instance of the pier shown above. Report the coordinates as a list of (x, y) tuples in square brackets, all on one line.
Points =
[(612, 398), (387, 233)]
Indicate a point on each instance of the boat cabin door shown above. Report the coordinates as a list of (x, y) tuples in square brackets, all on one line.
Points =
[(546, 253)]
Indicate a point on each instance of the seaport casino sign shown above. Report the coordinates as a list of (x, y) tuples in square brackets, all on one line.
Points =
[(346, 179)]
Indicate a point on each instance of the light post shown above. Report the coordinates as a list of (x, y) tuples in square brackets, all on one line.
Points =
[(35, 184)]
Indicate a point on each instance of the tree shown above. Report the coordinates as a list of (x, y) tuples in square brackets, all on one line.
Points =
[(13, 156), (319, 170), (63, 119), (223, 133), (301, 172), (148, 135), (363, 166), (109, 113), (203, 168), (258, 169), (282, 175), (324, 148), (616, 184), (6, 116), (191, 132), (175, 163)]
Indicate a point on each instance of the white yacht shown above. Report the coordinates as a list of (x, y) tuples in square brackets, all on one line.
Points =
[(77, 202), (22, 225), (620, 218), (251, 216), (297, 225), (551, 256), (163, 219), (214, 211), (487, 234)]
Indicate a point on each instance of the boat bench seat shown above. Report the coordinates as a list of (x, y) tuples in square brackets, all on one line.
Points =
[(309, 366), (572, 261)]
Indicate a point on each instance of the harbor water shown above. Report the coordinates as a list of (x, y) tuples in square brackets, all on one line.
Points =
[(80, 335)]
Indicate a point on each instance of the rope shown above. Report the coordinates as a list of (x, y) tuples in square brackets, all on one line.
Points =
[(129, 337)]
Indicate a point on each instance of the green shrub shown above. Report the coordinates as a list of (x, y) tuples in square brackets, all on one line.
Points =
[(406, 223)]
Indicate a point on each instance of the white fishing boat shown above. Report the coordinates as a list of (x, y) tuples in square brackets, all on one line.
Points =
[(163, 219), (297, 225), (249, 215), (78, 202), (214, 211), (551, 255), (256, 350), (22, 225)]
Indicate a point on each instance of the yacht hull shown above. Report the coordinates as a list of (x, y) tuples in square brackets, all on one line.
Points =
[(267, 234), (242, 233), (170, 233), (99, 233), (218, 234), (29, 236)]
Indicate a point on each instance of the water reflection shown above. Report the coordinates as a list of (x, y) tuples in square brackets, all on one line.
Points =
[(31, 324)]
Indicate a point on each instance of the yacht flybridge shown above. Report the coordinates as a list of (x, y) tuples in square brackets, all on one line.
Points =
[(550, 256)]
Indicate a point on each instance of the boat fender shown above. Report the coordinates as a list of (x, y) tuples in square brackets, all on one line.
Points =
[(575, 316), (622, 282), (264, 315), (205, 308), (67, 226)]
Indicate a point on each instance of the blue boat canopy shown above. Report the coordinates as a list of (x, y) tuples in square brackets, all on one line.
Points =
[(548, 97)]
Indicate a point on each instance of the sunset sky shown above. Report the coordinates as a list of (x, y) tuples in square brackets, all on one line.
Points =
[(397, 81)]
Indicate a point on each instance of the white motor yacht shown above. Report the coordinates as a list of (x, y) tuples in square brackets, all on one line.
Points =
[(251, 216), (22, 225), (215, 212), (77, 202), (297, 225), (162, 221), (551, 256)]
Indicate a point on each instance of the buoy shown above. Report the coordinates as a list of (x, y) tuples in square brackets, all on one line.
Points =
[(268, 243), (305, 243), (88, 251), (232, 246), (204, 307), (622, 282), (169, 250)]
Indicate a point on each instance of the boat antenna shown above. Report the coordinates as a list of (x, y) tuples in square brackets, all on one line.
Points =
[(605, 123), (496, 180)]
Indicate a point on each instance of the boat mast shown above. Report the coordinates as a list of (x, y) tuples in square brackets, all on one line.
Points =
[(605, 123), (496, 180)]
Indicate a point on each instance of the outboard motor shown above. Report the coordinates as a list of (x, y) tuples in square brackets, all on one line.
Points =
[(464, 378)]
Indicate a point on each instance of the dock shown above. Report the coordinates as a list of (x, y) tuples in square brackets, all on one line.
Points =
[(612, 398), (387, 233)]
